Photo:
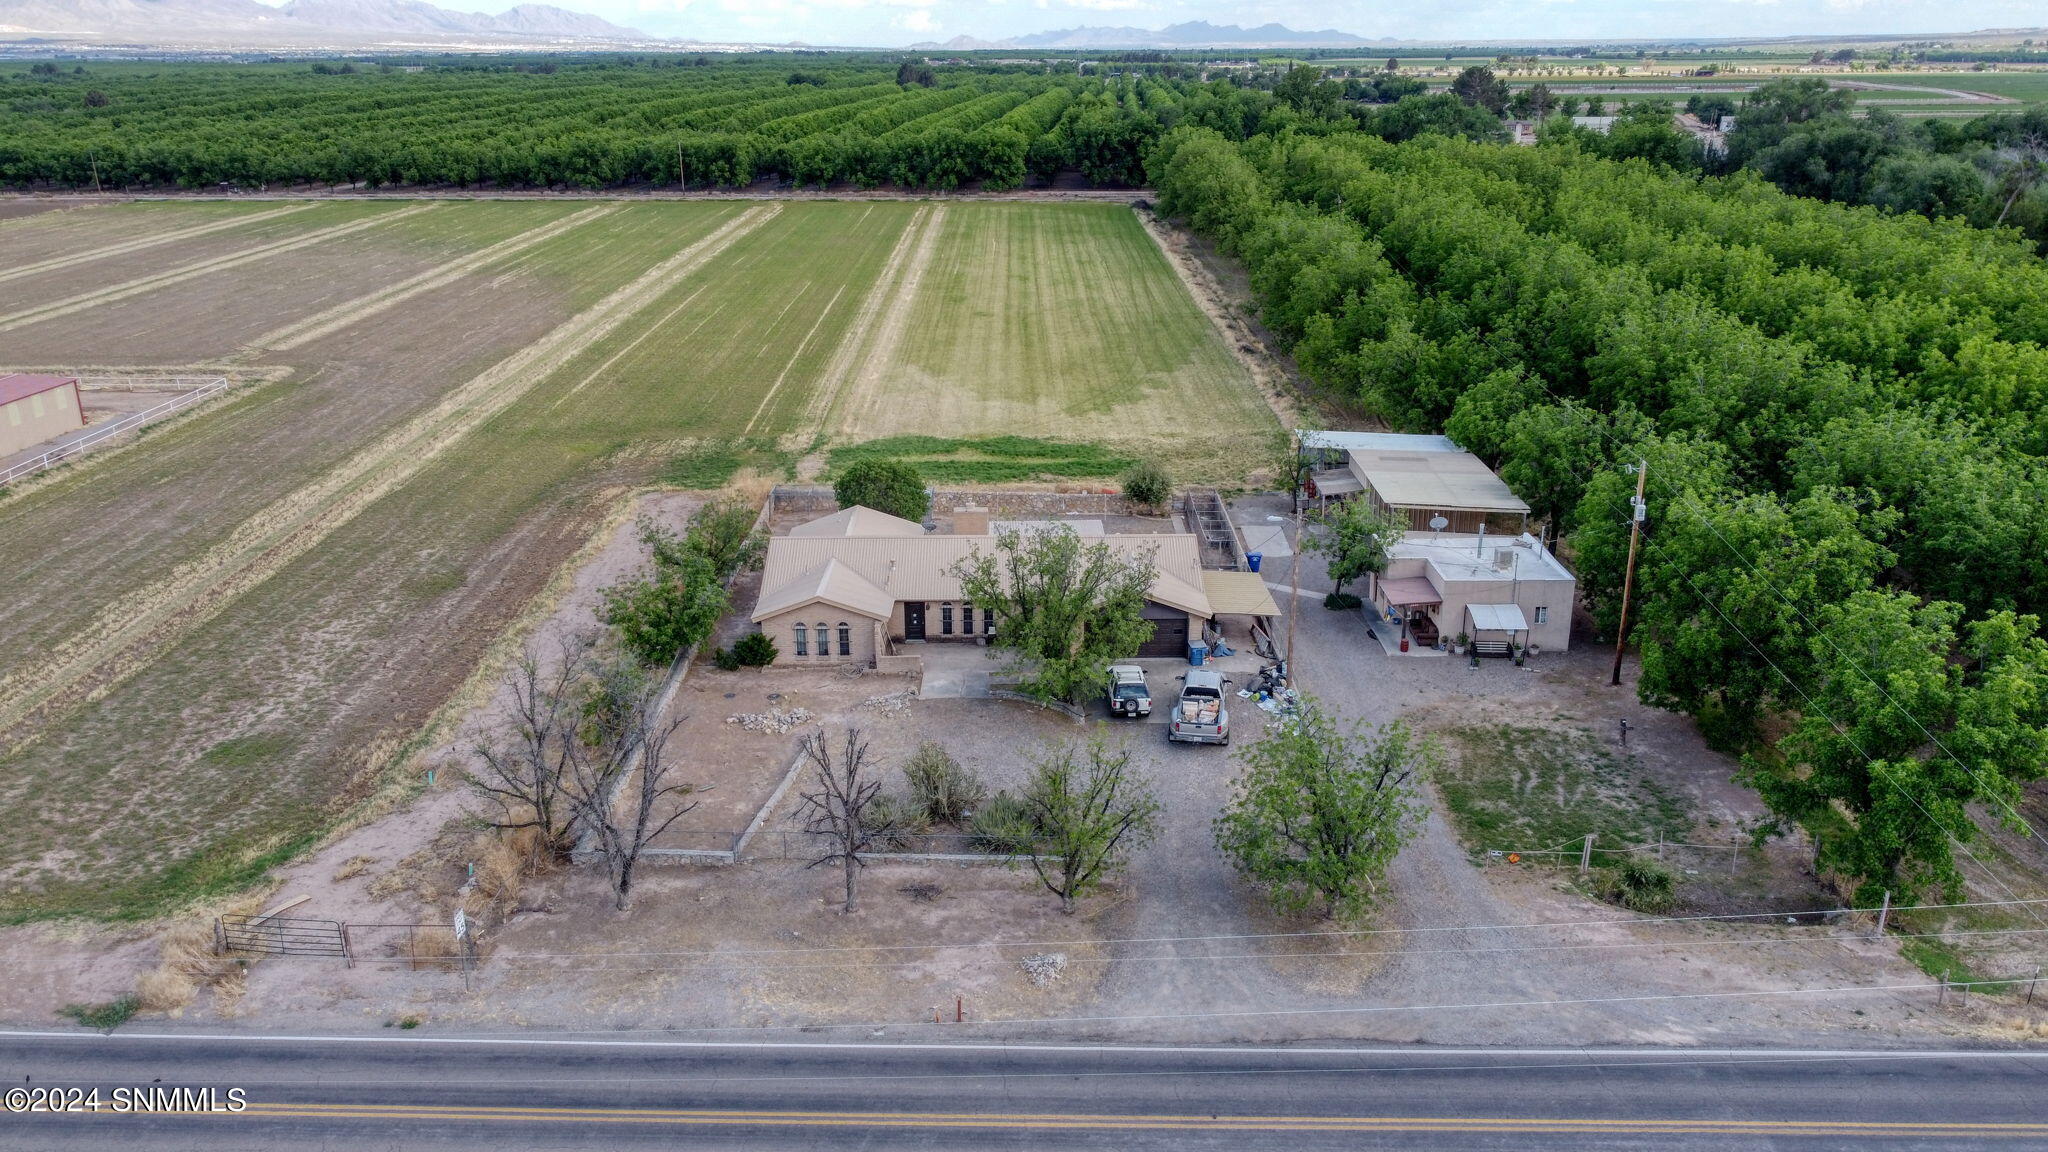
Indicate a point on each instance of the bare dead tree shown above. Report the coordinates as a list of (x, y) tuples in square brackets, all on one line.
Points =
[(838, 807), (524, 762), (622, 740)]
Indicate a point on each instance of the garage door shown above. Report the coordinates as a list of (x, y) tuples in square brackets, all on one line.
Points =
[(1169, 637)]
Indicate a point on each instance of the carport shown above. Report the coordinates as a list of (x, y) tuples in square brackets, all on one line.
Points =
[(1241, 594)]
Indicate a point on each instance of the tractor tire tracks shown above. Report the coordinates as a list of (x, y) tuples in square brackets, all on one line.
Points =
[(878, 328), (124, 638), (349, 312), (97, 297), (142, 242)]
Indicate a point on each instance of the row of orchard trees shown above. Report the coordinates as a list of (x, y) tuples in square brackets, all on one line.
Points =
[(1844, 413), (596, 126)]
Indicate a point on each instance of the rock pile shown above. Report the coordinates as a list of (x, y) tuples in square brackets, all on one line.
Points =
[(774, 720), (890, 704), (1044, 967)]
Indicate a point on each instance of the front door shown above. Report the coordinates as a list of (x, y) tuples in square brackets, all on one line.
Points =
[(913, 619)]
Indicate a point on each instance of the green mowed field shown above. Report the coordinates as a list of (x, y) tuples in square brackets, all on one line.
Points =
[(1064, 323), (431, 468)]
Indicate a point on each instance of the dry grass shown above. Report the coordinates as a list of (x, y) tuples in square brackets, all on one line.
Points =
[(353, 867), (188, 964)]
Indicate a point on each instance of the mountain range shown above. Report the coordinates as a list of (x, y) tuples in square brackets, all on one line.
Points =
[(1192, 34), (216, 21)]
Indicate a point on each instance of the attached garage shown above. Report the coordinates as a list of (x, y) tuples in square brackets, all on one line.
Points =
[(1169, 631)]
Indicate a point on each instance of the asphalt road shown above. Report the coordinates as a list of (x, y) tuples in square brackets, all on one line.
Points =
[(447, 1092)]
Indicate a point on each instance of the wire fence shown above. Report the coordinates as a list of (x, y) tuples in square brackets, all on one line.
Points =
[(108, 431), (1585, 853)]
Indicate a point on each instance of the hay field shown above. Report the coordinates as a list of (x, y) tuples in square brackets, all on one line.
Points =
[(230, 632)]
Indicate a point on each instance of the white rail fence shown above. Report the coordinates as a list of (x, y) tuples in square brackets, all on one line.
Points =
[(198, 391)]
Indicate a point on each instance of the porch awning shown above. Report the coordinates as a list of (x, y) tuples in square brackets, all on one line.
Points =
[(1335, 483), (1409, 591), (1238, 593), (1497, 618)]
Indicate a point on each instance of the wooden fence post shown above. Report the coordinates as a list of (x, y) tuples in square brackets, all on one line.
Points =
[(1586, 855)]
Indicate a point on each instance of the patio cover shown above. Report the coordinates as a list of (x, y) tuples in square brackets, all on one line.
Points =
[(1406, 591), (1497, 618), (1336, 483), (1238, 593)]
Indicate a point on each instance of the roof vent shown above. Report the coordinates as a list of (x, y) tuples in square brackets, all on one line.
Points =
[(1504, 558)]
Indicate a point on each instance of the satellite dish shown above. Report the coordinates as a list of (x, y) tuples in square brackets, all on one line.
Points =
[(1438, 523)]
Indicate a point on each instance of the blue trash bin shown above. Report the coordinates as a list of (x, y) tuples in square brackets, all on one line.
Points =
[(1254, 559), (1198, 654)]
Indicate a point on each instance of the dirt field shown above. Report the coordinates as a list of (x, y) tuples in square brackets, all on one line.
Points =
[(235, 628)]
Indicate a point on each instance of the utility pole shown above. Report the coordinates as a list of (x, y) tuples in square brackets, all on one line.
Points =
[(1294, 602), (682, 178), (94, 156), (1628, 579)]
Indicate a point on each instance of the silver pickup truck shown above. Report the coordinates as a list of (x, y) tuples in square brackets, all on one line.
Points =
[(1200, 716)]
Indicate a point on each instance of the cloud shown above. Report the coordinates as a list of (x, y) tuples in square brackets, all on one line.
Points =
[(918, 21)]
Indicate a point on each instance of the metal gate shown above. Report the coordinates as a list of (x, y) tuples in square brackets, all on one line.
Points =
[(279, 936)]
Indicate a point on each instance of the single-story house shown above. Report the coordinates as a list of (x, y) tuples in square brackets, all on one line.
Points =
[(1493, 589), (1423, 476), (35, 408), (856, 584)]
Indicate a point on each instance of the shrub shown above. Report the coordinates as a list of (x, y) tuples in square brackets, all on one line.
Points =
[(1147, 484), (104, 1017), (726, 659), (1342, 602), (1640, 884), (1004, 824), (893, 820), (659, 613), (939, 785), (754, 650), (892, 486)]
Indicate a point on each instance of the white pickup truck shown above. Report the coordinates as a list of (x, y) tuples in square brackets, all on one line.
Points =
[(1200, 716)]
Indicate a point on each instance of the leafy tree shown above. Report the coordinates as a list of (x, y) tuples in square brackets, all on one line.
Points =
[(1440, 114), (1319, 811), (668, 606), (1356, 538), (1304, 90), (1905, 727), (1148, 485), (1090, 813), (723, 532), (1479, 87), (886, 485), (1064, 608)]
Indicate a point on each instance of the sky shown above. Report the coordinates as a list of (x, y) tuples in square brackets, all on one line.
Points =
[(888, 23)]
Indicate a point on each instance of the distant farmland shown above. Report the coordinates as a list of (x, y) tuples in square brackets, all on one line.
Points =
[(220, 638)]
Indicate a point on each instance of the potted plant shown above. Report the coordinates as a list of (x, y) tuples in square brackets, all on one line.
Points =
[(1515, 650), (1458, 643)]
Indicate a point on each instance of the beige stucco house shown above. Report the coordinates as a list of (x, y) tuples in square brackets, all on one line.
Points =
[(859, 583), (1494, 589)]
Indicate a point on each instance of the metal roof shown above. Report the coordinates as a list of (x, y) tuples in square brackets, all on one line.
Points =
[(830, 583), (903, 567), (1497, 618), (1453, 481), (1238, 593), (1402, 591), (858, 521), (1376, 441), (22, 385)]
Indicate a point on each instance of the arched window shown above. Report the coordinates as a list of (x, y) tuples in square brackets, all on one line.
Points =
[(824, 640), (845, 638), (803, 641)]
